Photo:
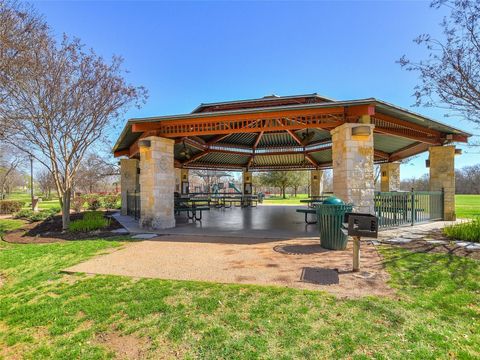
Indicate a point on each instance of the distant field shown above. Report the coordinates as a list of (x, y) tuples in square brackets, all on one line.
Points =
[(23, 196), (290, 200), (467, 206)]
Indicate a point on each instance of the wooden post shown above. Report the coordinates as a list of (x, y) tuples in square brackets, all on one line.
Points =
[(356, 253)]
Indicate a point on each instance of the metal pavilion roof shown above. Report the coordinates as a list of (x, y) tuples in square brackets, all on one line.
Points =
[(289, 132)]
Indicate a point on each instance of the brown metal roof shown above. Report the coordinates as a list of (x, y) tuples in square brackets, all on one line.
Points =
[(399, 132)]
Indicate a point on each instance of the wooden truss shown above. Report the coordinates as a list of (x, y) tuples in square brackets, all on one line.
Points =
[(190, 130)]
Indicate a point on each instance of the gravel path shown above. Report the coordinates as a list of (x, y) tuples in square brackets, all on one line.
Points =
[(297, 263)]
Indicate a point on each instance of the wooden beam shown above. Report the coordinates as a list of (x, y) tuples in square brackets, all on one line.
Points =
[(195, 157), (409, 150), (250, 160), (311, 159), (119, 153), (295, 137), (257, 140), (240, 123), (217, 139), (412, 135), (409, 125), (359, 110), (459, 138), (381, 154)]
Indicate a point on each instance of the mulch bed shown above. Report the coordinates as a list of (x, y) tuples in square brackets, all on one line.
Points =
[(49, 231)]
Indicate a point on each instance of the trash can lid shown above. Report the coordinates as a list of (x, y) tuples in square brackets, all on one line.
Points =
[(333, 200)]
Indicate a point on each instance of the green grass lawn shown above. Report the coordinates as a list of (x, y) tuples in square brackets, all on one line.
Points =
[(9, 224), (467, 206), (45, 314), (290, 200), (25, 197)]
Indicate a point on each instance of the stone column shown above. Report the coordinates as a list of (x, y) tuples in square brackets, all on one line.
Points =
[(178, 180), (316, 182), (157, 181), (185, 186), (247, 182), (128, 180), (390, 177), (442, 176), (352, 159)]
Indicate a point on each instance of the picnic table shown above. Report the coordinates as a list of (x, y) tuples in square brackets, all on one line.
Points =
[(307, 212), (226, 201), (312, 202)]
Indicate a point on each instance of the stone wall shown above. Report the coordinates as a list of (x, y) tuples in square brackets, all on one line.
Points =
[(247, 182), (157, 180), (129, 181), (353, 176), (316, 182), (390, 176), (442, 176)]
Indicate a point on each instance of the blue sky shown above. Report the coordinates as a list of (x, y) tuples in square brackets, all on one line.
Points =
[(186, 53)]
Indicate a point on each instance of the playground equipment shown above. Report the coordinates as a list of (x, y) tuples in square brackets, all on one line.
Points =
[(231, 185)]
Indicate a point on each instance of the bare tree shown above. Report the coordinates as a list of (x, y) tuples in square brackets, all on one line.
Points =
[(46, 182), (93, 172), (10, 161), (450, 75), (63, 103), (22, 30)]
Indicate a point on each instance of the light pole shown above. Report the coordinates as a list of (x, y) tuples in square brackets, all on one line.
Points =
[(31, 179)]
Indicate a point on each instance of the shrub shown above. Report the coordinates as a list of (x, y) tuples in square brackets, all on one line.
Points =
[(32, 216), (78, 203), (10, 206), (93, 202), (467, 231), (23, 214), (91, 221), (111, 201)]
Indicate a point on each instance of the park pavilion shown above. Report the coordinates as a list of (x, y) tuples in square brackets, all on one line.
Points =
[(308, 132)]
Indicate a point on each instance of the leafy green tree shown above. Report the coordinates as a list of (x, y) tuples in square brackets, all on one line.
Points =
[(283, 180)]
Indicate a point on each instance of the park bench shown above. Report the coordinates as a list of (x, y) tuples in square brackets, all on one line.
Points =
[(306, 212), (192, 211)]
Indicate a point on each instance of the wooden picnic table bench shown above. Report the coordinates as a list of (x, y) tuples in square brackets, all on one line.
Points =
[(306, 212), (192, 211)]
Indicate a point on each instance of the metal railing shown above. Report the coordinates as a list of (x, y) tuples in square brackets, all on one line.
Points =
[(133, 204), (408, 208)]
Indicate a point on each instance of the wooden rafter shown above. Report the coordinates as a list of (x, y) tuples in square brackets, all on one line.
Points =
[(381, 154), (244, 123), (195, 157), (217, 139), (408, 151), (257, 140), (311, 160), (389, 125), (295, 137)]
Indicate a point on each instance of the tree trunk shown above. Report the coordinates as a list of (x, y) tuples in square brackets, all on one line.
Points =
[(66, 209), (284, 189)]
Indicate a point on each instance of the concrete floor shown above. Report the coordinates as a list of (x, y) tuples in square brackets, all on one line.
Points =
[(297, 263), (264, 221)]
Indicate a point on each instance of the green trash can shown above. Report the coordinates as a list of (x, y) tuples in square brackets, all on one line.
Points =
[(330, 219)]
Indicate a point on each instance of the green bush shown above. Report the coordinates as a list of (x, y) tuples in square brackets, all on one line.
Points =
[(467, 231), (10, 206), (111, 201), (32, 216), (93, 202), (91, 221)]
